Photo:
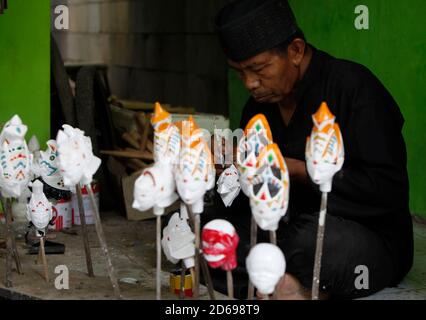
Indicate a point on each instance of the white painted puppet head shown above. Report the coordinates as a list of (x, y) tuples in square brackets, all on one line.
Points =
[(166, 137), (15, 159), (220, 241), (76, 160), (195, 173), (269, 193), (155, 188), (266, 266), (257, 136), (14, 129), (324, 149), (178, 241), (49, 166), (39, 209)]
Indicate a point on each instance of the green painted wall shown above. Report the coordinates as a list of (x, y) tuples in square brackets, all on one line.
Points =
[(25, 65), (394, 48)]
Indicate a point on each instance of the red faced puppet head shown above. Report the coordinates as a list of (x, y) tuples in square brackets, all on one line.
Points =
[(220, 241)]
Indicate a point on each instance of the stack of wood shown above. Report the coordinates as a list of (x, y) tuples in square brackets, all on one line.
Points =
[(138, 153)]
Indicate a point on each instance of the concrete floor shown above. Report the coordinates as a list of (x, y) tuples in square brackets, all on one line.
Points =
[(413, 287), (134, 257)]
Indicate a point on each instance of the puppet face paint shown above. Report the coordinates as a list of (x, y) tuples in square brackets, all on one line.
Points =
[(154, 188), (15, 159), (265, 266), (324, 149), (39, 209), (166, 137), (220, 242), (269, 193), (49, 166), (195, 172), (178, 241), (76, 160), (14, 129), (257, 136), (269, 201)]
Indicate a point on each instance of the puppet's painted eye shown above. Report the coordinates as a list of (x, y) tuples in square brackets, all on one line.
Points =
[(52, 158)]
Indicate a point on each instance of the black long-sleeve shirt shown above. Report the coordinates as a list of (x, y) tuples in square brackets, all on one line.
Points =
[(372, 188)]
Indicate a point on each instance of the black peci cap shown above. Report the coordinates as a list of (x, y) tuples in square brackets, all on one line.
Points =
[(249, 27)]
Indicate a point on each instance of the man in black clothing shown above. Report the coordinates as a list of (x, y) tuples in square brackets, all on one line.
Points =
[(369, 225)]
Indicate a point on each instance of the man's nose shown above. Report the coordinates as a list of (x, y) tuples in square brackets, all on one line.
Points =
[(251, 82)]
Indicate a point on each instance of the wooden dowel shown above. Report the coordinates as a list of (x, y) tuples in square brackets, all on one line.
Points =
[(15, 253), (158, 275), (129, 139), (44, 260), (136, 137), (102, 241), (192, 271), (230, 284), (197, 255), (319, 247), (253, 241), (150, 146), (273, 237), (8, 273), (207, 277), (84, 231), (182, 281)]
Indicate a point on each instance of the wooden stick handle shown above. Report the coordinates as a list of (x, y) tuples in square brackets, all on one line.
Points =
[(102, 241), (253, 241), (273, 237), (197, 255), (158, 277), (43, 257), (82, 215), (182, 281), (130, 140), (319, 247), (207, 277), (8, 272), (230, 284)]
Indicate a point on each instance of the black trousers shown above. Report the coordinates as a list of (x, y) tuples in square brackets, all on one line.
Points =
[(355, 262)]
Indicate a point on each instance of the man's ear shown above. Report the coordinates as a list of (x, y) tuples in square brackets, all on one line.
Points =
[(296, 51)]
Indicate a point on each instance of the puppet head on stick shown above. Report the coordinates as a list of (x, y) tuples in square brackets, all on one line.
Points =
[(324, 149), (76, 160), (15, 159)]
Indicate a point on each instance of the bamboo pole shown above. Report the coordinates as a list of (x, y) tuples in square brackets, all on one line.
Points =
[(84, 231), (102, 241)]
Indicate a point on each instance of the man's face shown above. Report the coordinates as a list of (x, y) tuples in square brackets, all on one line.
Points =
[(269, 76)]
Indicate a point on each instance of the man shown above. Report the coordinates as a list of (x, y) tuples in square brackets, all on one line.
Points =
[(369, 226)]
